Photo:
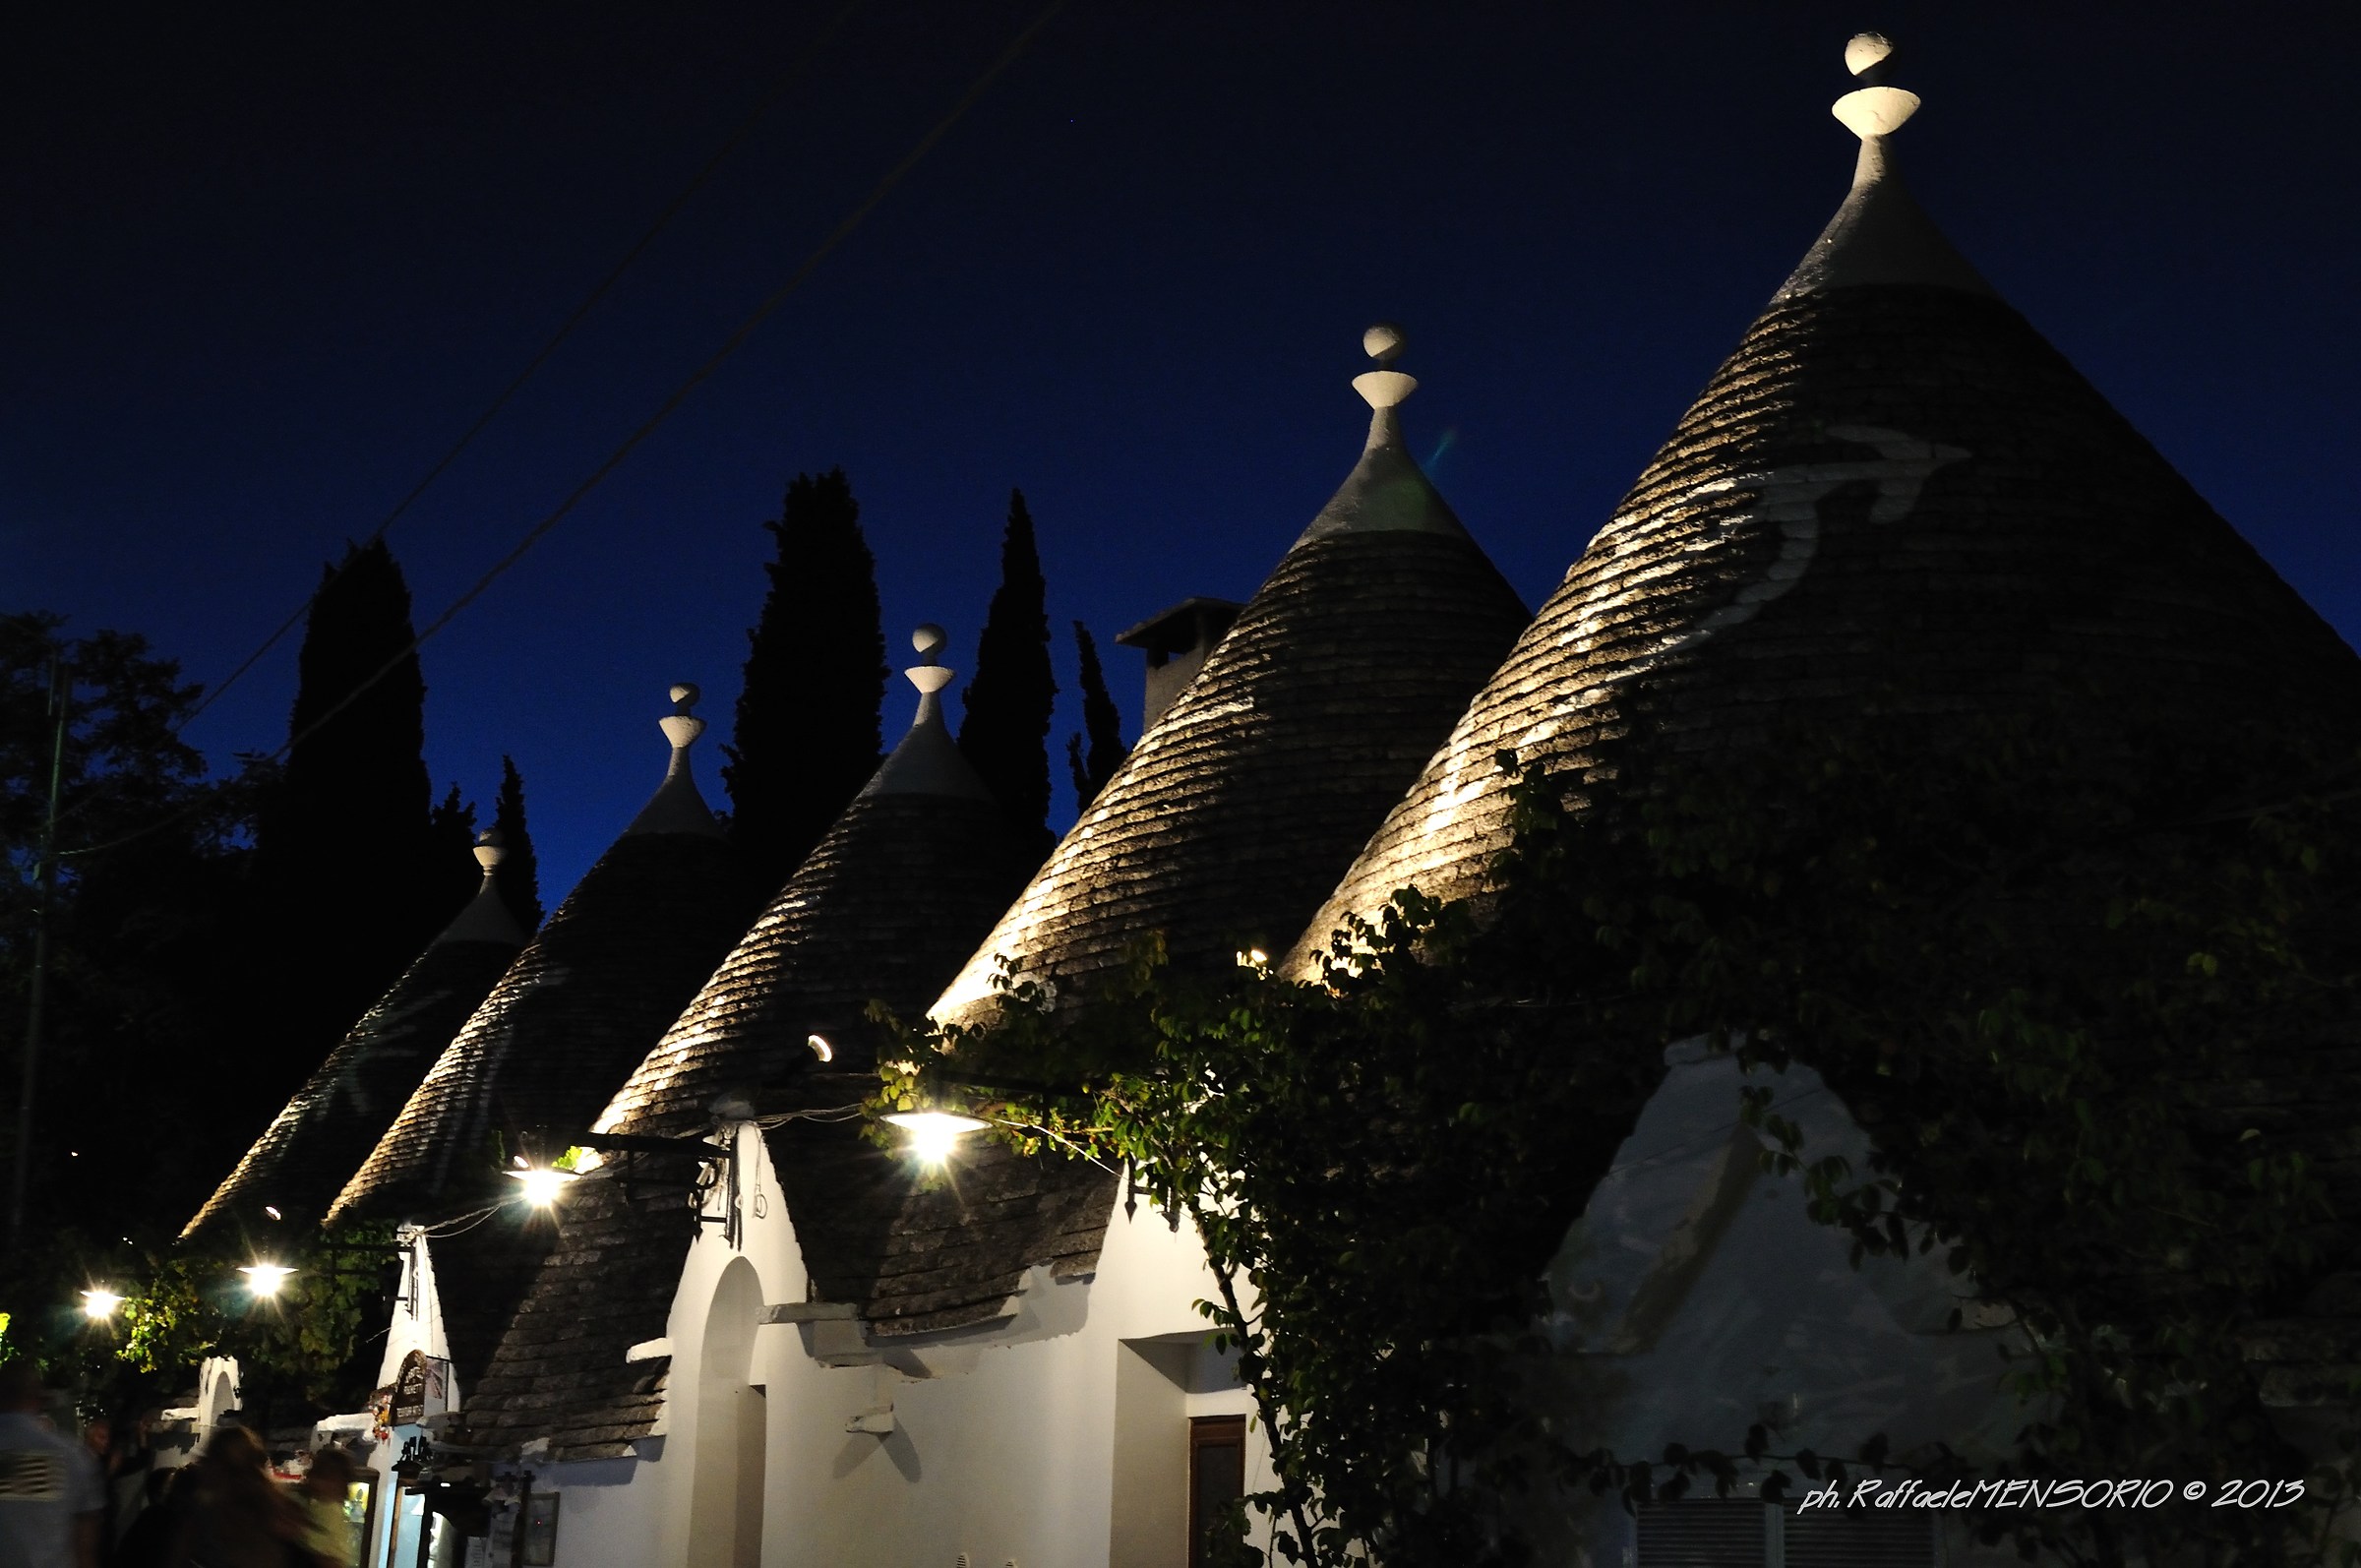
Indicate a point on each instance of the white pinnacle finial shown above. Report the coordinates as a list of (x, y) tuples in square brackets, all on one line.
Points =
[(490, 849), (1873, 109), (927, 675), (679, 726), (1385, 387)]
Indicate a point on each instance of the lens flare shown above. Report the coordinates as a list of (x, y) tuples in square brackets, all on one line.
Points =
[(934, 1134)]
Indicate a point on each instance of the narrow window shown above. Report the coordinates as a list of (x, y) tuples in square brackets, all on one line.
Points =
[(1217, 1478)]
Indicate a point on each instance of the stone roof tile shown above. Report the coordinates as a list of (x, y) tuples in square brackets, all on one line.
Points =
[(302, 1158)]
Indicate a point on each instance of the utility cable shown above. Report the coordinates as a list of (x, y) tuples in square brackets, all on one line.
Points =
[(779, 88), (736, 339)]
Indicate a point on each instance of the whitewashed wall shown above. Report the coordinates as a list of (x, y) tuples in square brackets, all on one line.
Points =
[(1697, 1296), (1053, 1439)]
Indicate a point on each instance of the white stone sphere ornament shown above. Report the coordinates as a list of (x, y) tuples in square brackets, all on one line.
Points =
[(927, 638), (1865, 50)]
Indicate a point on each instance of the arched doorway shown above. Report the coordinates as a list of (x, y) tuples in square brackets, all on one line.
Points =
[(725, 1520)]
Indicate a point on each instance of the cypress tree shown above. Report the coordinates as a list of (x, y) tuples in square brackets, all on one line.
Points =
[(451, 828), (806, 737), (344, 850), (1102, 728), (519, 880), (1005, 727)]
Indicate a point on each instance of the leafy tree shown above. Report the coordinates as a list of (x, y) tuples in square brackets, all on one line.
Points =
[(1005, 725), (142, 1098), (520, 872), (2081, 982), (807, 734), (1102, 724)]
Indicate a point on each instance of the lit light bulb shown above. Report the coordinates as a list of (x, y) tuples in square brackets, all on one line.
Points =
[(821, 1049), (542, 1184), (99, 1304), (934, 1134), (266, 1279)]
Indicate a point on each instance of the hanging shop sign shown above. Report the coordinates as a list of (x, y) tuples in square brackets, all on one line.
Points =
[(420, 1388)]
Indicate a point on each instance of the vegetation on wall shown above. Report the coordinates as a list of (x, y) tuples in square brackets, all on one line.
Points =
[(2086, 990)]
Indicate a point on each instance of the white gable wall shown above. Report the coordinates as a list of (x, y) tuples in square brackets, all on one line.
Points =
[(1001, 1441), (1697, 1296)]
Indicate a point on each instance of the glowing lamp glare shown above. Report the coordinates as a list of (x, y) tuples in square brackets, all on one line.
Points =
[(99, 1304), (934, 1134), (542, 1185), (266, 1279)]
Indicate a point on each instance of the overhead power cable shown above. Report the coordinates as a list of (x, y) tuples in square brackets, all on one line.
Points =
[(664, 410), (779, 88)]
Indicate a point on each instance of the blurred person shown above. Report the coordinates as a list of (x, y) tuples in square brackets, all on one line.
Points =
[(152, 1538), (231, 1514), (327, 1532), (52, 1506)]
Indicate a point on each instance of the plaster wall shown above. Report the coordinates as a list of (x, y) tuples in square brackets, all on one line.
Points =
[(1001, 1441), (416, 1324), (1696, 1297)]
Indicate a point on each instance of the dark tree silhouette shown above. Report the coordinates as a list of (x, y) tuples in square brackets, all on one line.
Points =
[(520, 879), (1094, 752), (451, 828), (142, 1097), (1005, 726), (807, 733), (350, 884)]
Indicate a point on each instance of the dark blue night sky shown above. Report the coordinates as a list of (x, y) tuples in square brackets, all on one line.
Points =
[(261, 269)]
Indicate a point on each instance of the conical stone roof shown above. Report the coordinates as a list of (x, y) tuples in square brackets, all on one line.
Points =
[(1892, 486), (884, 909), (1238, 806), (575, 1012), (300, 1162)]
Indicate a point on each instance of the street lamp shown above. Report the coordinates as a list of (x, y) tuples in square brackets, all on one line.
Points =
[(934, 1134), (542, 1183), (266, 1279), (99, 1305)]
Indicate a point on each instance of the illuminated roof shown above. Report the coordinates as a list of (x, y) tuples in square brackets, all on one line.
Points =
[(301, 1160), (578, 1009), (1894, 485), (1242, 802)]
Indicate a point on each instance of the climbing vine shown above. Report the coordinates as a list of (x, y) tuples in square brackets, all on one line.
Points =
[(2083, 986)]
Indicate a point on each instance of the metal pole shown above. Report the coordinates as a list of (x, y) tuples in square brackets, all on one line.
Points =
[(45, 885)]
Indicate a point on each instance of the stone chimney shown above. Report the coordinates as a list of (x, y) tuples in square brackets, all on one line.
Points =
[(1177, 642)]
